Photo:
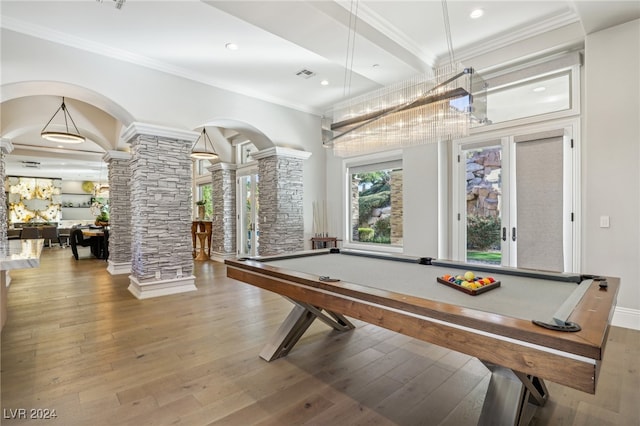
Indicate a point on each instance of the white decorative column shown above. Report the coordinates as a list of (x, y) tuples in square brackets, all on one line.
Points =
[(280, 194), (119, 261), (223, 226), (5, 149), (161, 207)]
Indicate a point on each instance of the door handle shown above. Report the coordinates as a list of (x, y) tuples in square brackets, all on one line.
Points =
[(513, 233), (504, 233)]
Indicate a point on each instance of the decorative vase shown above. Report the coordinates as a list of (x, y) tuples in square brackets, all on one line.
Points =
[(200, 212)]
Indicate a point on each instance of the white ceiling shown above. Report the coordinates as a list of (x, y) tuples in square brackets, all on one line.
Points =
[(276, 39)]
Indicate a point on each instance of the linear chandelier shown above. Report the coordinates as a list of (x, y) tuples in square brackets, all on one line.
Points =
[(204, 154), (424, 109), (62, 136)]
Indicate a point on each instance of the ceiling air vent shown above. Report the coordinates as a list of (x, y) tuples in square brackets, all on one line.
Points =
[(304, 73), (31, 164)]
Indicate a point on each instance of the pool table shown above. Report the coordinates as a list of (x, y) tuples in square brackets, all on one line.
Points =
[(535, 325)]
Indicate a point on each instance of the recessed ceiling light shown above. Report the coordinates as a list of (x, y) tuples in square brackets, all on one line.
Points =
[(476, 13), (324, 82), (539, 89), (231, 46)]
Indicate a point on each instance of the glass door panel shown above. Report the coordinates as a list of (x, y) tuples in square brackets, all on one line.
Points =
[(247, 215), (483, 210)]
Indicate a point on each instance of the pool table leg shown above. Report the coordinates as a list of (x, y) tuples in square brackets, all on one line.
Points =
[(297, 322), (511, 397)]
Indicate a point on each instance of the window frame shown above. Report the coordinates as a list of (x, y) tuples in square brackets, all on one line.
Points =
[(359, 161)]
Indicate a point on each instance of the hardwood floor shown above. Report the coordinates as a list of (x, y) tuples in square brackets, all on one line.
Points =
[(77, 342)]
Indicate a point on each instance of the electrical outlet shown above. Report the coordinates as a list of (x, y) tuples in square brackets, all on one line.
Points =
[(604, 221)]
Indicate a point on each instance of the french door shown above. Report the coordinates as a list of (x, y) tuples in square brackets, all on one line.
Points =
[(248, 232), (516, 200)]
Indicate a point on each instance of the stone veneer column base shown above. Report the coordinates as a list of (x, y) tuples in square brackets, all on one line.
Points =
[(118, 268), (220, 257), (146, 290)]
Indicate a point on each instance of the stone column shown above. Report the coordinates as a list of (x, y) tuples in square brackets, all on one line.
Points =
[(223, 227), (119, 212), (5, 148), (161, 207), (397, 207), (280, 197), (355, 208)]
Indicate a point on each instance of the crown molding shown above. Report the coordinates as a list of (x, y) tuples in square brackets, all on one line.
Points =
[(500, 41), (58, 37)]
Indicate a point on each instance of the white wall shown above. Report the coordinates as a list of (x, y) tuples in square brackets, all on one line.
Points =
[(611, 160)]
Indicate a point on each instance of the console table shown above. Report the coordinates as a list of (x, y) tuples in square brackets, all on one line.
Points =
[(201, 226), (324, 242)]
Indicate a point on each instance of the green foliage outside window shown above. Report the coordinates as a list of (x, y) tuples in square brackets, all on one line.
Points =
[(383, 231), (365, 234), (367, 203), (206, 196), (483, 232), (374, 192)]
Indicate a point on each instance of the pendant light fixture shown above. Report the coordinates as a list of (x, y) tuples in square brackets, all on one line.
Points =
[(204, 154), (60, 136)]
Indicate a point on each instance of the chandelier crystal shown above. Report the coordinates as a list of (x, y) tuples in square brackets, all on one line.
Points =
[(420, 110)]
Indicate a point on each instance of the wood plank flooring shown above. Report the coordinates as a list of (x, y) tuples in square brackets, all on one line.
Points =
[(77, 342)]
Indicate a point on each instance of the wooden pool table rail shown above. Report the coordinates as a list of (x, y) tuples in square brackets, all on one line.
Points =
[(593, 313)]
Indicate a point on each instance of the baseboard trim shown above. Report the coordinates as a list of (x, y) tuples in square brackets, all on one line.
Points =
[(626, 318), (157, 288), (220, 257), (118, 268)]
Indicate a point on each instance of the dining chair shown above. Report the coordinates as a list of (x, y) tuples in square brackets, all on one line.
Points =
[(50, 234), (77, 239), (14, 234), (30, 233), (64, 235)]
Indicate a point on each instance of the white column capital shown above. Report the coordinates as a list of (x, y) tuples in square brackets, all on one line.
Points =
[(116, 155), (222, 166), (6, 146), (278, 151), (137, 129)]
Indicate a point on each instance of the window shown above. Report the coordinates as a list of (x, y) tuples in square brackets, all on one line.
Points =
[(530, 98), (205, 194), (245, 151), (201, 167), (375, 203)]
